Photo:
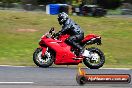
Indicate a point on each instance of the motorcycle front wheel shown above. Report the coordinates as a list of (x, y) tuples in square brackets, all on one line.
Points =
[(43, 61), (96, 58)]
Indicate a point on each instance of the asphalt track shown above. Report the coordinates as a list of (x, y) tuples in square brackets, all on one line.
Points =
[(53, 77)]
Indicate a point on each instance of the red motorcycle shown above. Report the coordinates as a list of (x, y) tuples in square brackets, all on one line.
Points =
[(53, 49)]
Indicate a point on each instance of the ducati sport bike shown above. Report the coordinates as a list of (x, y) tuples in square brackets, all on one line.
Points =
[(54, 49)]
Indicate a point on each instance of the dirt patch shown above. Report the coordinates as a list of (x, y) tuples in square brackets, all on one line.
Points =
[(26, 30)]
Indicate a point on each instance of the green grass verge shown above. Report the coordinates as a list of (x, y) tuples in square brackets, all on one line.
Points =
[(17, 46)]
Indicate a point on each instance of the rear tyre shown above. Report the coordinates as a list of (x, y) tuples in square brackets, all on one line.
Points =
[(43, 61), (96, 59)]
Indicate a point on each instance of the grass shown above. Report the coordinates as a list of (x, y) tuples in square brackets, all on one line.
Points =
[(17, 47), (115, 12)]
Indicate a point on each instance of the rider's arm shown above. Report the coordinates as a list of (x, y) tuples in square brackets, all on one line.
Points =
[(63, 30), (65, 27)]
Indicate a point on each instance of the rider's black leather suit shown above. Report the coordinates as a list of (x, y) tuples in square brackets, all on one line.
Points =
[(75, 32)]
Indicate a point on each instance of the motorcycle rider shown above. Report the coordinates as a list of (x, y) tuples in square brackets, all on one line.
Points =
[(71, 28)]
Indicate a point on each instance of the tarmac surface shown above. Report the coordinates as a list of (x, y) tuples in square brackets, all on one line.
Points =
[(53, 77)]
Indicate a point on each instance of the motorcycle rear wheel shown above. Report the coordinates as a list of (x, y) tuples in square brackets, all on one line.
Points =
[(97, 53), (43, 61)]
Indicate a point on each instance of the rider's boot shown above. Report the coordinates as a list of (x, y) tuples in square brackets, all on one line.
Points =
[(80, 49)]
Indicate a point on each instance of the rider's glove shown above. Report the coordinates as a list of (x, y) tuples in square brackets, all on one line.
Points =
[(58, 34)]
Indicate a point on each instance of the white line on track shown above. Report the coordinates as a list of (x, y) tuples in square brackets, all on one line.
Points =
[(16, 82), (13, 66), (71, 67), (117, 68)]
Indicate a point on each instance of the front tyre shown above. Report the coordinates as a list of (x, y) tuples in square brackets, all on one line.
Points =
[(96, 58), (43, 61)]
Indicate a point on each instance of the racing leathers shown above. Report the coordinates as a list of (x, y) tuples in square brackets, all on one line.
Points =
[(75, 32)]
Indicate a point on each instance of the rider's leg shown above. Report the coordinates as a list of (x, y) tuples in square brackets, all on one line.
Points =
[(73, 42)]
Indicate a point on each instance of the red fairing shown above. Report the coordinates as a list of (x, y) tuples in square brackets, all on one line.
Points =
[(89, 37), (63, 54), (55, 50), (63, 37)]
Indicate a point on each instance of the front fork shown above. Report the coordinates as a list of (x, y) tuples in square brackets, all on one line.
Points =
[(44, 49)]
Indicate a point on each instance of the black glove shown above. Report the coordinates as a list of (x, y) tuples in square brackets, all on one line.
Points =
[(58, 34)]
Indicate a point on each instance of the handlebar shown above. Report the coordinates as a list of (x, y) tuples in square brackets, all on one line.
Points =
[(52, 34)]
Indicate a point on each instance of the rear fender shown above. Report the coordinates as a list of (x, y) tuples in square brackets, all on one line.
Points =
[(91, 39), (96, 40)]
